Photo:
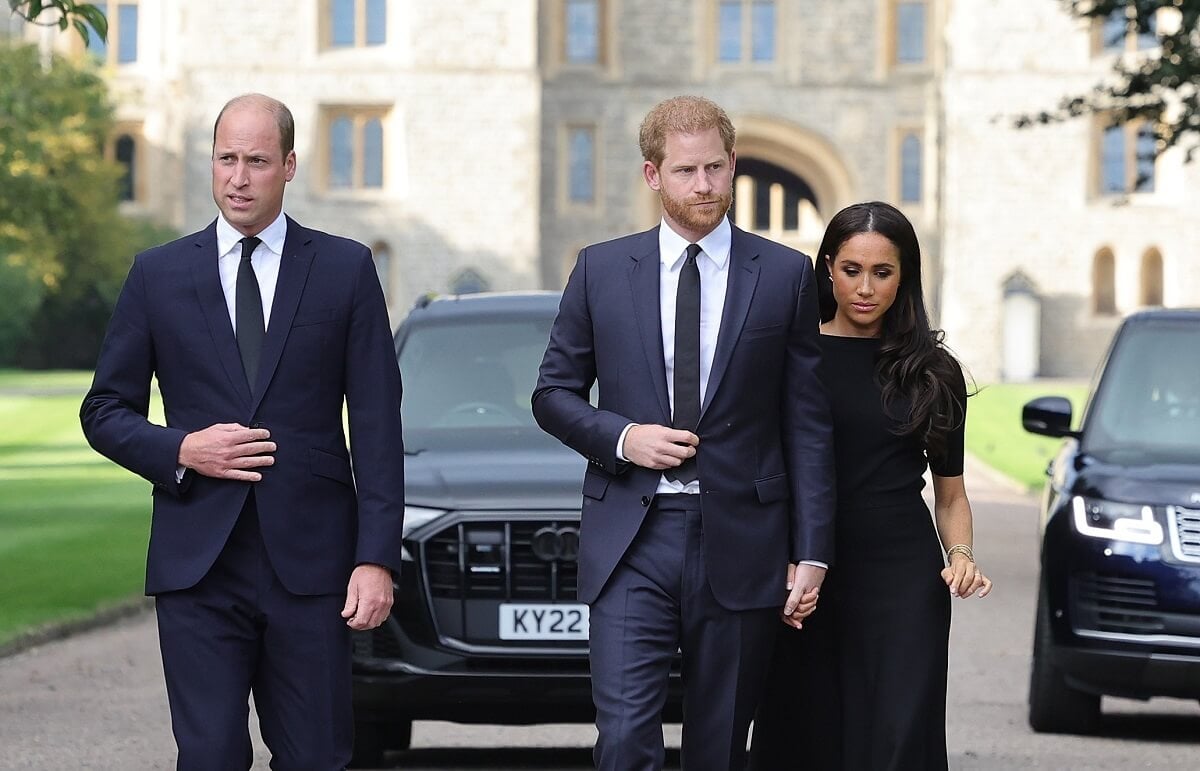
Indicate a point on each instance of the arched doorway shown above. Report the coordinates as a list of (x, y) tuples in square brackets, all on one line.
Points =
[(771, 200), (801, 171)]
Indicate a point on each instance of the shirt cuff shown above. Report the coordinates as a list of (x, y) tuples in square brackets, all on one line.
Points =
[(179, 472), (815, 563), (621, 443)]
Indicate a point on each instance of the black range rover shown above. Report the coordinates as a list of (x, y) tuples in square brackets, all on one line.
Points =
[(486, 627), (1119, 594)]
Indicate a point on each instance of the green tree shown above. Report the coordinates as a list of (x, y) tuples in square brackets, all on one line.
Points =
[(1160, 85), (62, 14), (64, 247)]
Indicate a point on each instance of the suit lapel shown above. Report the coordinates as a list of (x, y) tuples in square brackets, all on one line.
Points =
[(743, 279), (297, 258), (207, 275), (644, 286)]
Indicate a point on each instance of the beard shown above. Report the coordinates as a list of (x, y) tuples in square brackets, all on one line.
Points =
[(696, 218)]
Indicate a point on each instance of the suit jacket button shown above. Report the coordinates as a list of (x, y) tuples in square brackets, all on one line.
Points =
[(256, 424), (645, 500)]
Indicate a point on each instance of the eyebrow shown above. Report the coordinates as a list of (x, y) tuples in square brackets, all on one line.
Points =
[(859, 264)]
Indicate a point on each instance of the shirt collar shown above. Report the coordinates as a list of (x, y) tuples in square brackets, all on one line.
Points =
[(272, 235), (716, 244)]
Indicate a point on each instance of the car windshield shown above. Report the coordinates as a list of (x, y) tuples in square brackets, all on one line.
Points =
[(470, 373), (1147, 407)]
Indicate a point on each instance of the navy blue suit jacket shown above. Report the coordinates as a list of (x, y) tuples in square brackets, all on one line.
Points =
[(328, 340), (765, 458)]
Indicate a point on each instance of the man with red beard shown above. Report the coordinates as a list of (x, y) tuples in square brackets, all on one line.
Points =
[(708, 495)]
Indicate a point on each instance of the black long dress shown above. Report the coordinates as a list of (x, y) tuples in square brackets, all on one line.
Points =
[(863, 684)]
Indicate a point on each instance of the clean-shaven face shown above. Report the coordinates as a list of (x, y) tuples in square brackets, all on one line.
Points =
[(866, 278), (249, 168)]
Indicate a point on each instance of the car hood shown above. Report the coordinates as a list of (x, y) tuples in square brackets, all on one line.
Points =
[(1160, 484), (492, 470)]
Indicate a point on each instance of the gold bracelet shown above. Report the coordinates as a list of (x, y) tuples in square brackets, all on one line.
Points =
[(963, 549)]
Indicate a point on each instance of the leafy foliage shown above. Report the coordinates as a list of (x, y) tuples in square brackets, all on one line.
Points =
[(64, 248), (1160, 85), (63, 14)]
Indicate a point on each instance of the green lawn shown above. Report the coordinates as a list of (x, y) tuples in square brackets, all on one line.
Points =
[(73, 527), (995, 436)]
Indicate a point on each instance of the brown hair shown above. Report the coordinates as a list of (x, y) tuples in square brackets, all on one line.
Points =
[(681, 115), (283, 117)]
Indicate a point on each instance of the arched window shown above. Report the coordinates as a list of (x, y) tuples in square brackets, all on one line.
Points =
[(1104, 293), (468, 281), (1152, 277), (383, 266), (126, 154)]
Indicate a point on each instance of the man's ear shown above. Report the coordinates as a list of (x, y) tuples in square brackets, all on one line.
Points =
[(289, 165), (650, 173)]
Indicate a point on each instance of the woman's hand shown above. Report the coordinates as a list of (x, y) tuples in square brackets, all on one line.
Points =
[(964, 577)]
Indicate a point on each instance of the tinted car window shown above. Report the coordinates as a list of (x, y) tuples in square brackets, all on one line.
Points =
[(460, 374), (1147, 409)]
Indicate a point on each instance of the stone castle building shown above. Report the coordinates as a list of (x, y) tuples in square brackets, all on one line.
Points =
[(480, 143)]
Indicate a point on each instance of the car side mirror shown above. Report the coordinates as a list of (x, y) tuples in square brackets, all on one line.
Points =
[(1048, 416)]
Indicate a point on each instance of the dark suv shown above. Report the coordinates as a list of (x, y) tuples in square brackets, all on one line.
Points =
[(486, 627), (1119, 596)]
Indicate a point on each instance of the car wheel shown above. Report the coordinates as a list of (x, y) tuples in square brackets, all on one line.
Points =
[(372, 740), (1054, 706)]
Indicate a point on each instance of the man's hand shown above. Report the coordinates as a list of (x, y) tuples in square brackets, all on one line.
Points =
[(368, 597), (227, 451), (652, 446), (804, 587)]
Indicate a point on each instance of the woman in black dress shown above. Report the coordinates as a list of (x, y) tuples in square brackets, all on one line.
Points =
[(863, 685)]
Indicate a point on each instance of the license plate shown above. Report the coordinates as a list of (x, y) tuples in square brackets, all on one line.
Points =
[(543, 621)]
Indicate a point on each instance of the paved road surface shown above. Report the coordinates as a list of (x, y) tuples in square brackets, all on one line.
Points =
[(96, 701)]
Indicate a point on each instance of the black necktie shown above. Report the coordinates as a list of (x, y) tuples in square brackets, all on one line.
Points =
[(687, 358), (248, 309)]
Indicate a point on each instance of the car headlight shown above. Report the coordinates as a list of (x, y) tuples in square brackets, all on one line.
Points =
[(414, 518), (1116, 521)]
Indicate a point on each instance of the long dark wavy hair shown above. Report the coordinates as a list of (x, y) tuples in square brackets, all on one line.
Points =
[(921, 381)]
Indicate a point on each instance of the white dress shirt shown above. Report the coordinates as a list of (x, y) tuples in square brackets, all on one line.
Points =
[(713, 263), (265, 260)]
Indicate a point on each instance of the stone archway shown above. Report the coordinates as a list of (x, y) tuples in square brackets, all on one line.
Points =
[(803, 171)]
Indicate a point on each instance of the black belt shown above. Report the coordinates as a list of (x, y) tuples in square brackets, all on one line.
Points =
[(677, 501)]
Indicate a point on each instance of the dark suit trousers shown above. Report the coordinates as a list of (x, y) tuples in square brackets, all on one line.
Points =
[(237, 632), (658, 600)]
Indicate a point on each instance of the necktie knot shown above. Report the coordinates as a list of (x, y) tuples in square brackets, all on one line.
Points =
[(693, 252), (249, 244)]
